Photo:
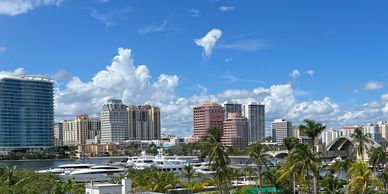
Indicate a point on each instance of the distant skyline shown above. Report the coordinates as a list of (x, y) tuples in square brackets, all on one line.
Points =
[(326, 60)]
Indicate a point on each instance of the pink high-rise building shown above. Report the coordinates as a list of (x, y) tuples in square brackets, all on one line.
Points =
[(206, 115), (235, 132)]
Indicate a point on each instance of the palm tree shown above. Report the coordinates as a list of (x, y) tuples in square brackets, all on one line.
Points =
[(163, 181), (257, 155), (194, 187), (361, 178), (384, 178), (301, 161), (290, 143), (360, 140), (312, 129), (188, 172), (218, 159), (8, 173), (378, 158)]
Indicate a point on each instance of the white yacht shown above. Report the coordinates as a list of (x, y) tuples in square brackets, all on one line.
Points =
[(159, 162), (66, 168), (203, 168), (95, 173)]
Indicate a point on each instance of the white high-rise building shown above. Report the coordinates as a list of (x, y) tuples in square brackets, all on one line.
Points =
[(114, 122), (281, 129), (329, 136), (255, 113), (383, 125), (373, 130)]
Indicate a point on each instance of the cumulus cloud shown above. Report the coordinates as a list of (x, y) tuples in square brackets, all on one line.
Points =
[(373, 85), (16, 7), (209, 41), (227, 8), (295, 73), (121, 79)]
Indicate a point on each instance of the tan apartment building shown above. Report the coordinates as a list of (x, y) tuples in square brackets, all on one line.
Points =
[(144, 122)]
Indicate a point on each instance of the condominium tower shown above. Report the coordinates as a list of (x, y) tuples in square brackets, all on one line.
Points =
[(26, 113), (232, 107), (114, 122), (235, 132), (206, 115), (255, 113), (144, 122), (81, 129), (281, 129)]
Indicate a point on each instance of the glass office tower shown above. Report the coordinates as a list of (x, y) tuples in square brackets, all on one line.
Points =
[(26, 113)]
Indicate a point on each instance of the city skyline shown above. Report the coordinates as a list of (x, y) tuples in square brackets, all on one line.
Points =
[(309, 61)]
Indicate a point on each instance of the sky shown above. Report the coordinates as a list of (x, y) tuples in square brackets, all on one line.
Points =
[(324, 60)]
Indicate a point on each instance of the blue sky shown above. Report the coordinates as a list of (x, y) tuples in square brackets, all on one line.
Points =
[(263, 44)]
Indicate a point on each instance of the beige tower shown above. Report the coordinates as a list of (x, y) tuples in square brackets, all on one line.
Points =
[(144, 122)]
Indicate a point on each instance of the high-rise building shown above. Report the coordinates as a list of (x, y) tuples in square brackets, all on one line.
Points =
[(232, 107), (281, 129), (346, 131), (80, 130), (235, 132), (329, 136), (26, 113), (58, 134), (384, 129), (114, 122), (297, 132), (206, 115), (255, 113), (373, 131), (144, 122)]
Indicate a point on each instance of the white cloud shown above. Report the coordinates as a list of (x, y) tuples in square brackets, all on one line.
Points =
[(122, 80), (193, 12), (384, 97), (155, 28), (311, 72), (209, 41), (373, 85), (295, 73), (227, 8), (18, 71), (246, 45), (3, 49), (110, 18), (16, 7)]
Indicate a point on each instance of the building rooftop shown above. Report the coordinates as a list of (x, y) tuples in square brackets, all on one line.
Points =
[(26, 77)]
